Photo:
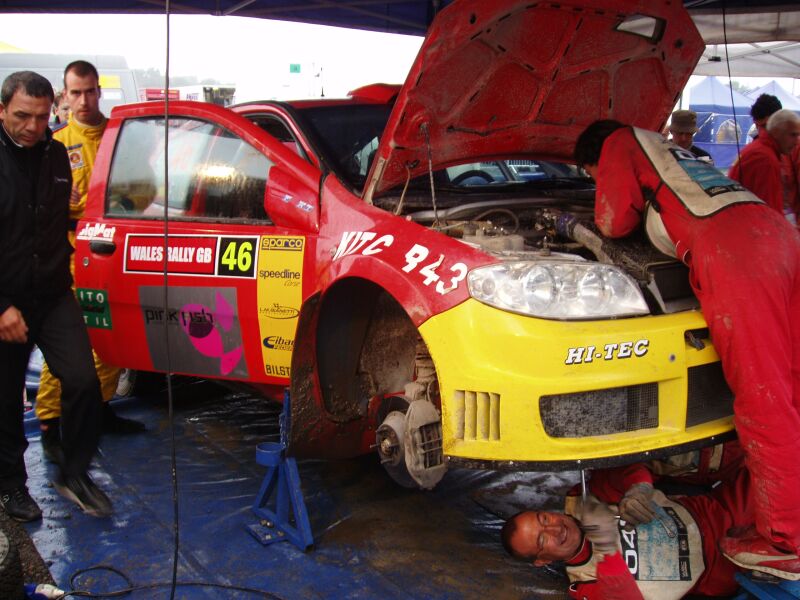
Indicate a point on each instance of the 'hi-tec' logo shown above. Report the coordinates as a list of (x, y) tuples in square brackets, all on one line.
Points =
[(587, 354)]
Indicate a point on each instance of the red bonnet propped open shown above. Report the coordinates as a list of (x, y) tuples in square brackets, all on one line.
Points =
[(503, 78)]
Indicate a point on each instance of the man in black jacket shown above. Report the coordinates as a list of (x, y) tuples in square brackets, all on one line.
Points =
[(36, 303)]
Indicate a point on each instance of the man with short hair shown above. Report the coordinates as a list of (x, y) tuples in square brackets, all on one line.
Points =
[(37, 305), (666, 557), (81, 136), (764, 167), (682, 127), (762, 109), (744, 267)]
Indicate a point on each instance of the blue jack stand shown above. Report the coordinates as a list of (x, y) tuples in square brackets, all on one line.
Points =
[(283, 482), (767, 590)]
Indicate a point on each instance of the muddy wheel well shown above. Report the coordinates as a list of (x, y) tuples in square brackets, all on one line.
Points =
[(365, 347)]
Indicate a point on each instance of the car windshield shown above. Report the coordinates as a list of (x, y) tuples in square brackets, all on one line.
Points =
[(348, 136)]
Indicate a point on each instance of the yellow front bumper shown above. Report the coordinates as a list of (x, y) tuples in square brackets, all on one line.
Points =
[(494, 367)]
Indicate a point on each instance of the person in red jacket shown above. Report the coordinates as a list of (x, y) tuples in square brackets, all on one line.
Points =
[(794, 174), (694, 472), (764, 167), (606, 557), (744, 266)]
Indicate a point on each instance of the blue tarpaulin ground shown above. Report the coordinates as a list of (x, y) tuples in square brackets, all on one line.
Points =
[(373, 538)]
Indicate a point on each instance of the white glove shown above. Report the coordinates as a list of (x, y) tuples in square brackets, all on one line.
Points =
[(600, 526)]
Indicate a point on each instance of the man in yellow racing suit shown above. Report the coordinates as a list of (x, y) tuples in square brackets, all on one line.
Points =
[(81, 136)]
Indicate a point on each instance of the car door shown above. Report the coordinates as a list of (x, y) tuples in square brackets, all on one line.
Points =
[(183, 269)]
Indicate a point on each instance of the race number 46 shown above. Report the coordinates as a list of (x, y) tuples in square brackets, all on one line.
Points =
[(237, 256)]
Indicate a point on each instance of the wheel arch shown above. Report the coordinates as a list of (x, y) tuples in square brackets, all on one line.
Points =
[(356, 345)]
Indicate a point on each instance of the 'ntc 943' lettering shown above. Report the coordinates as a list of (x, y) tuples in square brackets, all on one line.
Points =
[(417, 260), (587, 354)]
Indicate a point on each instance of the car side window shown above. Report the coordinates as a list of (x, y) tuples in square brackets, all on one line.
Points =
[(213, 174), (279, 130)]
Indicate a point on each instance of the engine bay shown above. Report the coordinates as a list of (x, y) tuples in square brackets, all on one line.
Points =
[(549, 224)]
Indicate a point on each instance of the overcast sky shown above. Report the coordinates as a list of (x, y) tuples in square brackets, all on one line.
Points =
[(254, 54)]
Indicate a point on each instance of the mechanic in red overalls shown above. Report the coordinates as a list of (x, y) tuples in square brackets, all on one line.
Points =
[(744, 261), (765, 168), (692, 472), (672, 555)]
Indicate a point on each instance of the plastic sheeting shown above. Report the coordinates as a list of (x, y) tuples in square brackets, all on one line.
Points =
[(373, 539)]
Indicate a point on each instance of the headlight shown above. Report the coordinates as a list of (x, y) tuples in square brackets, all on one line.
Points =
[(558, 289)]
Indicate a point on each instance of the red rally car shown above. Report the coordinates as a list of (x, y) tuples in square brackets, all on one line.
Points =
[(418, 265)]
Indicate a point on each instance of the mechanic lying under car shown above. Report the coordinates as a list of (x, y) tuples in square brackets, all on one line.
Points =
[(744, 261), (673, 554)]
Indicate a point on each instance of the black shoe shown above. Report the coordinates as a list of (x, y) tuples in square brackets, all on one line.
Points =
[(113, 423), (51, 441), (81, 490), (19, 505)]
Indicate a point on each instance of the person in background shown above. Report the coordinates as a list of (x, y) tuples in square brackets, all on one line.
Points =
[(744, 267), (764, 166), (682, 127), (37, 305), (762, 109), (81, 136), (60, 109)]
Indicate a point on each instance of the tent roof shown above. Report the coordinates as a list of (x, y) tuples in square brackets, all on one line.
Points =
[(769, 59), (751, 22), (745, 20), (774, 88), (712, 96), (758, 22)]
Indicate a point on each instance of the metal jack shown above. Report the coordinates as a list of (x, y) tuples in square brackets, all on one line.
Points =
[(280, 499)]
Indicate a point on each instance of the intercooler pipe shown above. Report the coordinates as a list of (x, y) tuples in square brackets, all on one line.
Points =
[(569, 226)]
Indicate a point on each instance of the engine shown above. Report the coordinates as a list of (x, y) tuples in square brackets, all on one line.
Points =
[(527, 228)]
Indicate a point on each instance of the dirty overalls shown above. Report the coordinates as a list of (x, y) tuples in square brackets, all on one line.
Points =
[(744, 261)]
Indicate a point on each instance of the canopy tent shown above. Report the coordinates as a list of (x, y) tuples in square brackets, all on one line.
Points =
[(756, 24), (745, 20), (774, 88), (764, 59), (710, 95), (723, 119)]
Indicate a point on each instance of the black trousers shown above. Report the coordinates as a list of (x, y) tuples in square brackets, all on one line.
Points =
[(57, 327)]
